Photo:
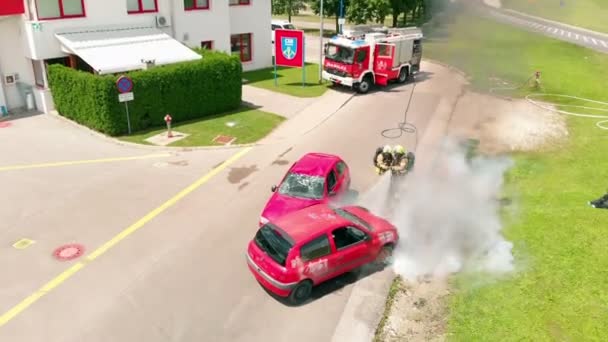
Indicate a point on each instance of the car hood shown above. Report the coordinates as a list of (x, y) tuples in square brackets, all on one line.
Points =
[(279, 205)]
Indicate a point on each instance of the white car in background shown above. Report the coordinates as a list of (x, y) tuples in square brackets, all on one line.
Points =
[(281, 24)]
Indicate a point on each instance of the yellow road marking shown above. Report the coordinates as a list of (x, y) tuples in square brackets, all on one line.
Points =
[(23, 243), (48, 287), (78, 162)]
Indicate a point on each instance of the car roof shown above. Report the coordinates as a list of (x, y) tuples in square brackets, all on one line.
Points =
[(280, 22), (315, 164), (310, 221)]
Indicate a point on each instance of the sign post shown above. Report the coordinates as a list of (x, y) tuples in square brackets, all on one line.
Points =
[(289, 51), (125, 87)]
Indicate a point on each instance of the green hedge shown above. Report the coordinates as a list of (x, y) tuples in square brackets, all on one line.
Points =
[(186, 90)]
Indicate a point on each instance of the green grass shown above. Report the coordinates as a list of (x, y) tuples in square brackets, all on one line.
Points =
[(311, 18), (590, 14), (251, 125), (396, 286), (561, 244), (289, 80)]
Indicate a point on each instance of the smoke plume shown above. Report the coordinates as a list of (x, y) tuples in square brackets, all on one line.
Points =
[(448, 215)]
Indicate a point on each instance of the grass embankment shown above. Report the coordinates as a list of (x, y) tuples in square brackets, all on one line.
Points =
[(561, 244), (250, 125), (590, 14), (289, 80)]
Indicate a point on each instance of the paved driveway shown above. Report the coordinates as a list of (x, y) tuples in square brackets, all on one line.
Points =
[(165, 239)]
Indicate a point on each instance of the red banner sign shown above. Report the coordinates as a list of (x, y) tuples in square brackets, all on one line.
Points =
[(289, 48)]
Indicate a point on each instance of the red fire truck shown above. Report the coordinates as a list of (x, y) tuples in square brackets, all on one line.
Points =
[(364, 56)]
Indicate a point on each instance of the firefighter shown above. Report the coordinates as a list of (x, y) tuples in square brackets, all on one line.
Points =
[(403, 161), (383, 159)]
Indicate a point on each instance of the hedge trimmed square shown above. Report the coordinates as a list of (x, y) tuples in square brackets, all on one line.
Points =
[(187, 90)]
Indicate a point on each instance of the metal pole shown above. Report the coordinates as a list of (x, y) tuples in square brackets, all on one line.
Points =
[(303, 61), (128, 119), (321, 47), (341, 13)]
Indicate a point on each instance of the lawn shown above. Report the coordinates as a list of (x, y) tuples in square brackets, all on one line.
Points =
[(590, 14), (250, 125), (289, 80), (561, 244), (311, 18)]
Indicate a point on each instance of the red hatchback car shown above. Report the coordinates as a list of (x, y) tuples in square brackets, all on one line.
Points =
[(307, 247), (315, 178)]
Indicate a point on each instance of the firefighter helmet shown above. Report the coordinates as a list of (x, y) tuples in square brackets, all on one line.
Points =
[(386, 149), (399, 150)]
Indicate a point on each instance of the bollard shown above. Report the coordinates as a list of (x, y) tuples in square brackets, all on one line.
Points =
[(168, 121)]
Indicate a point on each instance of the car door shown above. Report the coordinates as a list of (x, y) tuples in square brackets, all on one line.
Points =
[(352, 249), (343, 176), (383, 62), (315, 255), (332, 183)]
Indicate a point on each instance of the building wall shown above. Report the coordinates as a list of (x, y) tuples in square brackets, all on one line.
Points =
[(13, 61), (34, 39)]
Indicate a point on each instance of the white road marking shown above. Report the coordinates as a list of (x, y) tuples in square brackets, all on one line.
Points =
[(594, 41), (585, 39), (537, 25), (561, 32), (576, 34), (548, 28), (603, 43), (554, 30), (569, 34)]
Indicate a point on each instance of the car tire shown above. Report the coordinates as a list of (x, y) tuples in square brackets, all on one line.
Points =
[(301, 292), (364, 85), (403, 75), (383, 257)]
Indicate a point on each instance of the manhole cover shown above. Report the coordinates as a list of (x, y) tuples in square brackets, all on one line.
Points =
[(4, 124), (69, 252), (224, 139)]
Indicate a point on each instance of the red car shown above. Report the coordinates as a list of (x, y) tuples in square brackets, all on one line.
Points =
[(309, 246), (315, 178)]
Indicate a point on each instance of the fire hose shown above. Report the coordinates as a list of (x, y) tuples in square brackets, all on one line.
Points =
[(404, 126), (553, 107)]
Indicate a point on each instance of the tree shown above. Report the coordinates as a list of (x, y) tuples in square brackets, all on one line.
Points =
[(331, 8), (289, 7)]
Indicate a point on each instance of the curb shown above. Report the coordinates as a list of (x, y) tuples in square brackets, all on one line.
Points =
[(559, 23)]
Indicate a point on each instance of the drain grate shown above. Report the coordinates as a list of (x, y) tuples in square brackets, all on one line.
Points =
[(224, 139)]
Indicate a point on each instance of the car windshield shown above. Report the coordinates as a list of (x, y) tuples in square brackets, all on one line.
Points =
[(303, 186), (353, 218), (339, 53), (273, 243)]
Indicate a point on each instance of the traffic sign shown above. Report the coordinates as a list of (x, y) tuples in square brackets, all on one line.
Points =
[(124, 84), (125, 97)]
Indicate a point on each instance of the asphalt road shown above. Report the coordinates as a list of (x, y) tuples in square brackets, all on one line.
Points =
[(589, 39), (180, 273)]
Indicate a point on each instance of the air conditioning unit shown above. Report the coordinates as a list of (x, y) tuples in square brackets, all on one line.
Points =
[(10, 79), (162, 21)]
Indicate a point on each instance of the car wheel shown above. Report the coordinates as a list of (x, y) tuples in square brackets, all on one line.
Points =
[(301, 292), (403, 75), (364, 86), (384, 255)]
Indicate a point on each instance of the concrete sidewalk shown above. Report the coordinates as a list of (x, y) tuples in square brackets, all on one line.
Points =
[(277, 103)]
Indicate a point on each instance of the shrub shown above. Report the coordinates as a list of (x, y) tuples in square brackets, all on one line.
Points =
[(187, 90)]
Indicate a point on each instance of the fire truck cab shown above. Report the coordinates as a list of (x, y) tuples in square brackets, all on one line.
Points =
[(365, 56)]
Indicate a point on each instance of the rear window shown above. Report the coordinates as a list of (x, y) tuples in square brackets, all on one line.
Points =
[(353, 218), (274, 242)]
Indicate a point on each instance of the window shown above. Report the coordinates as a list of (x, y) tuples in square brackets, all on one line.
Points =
[(190, 5), (315, 249), (385, 50), (208, 45), (341, 168), (241, 46), (303, 186), (141, 6), (270, 239), (59, 9), (331, 181), (361, 55), (274, 27), (39, 73), (353, 218), (239, 2), (347, 236)]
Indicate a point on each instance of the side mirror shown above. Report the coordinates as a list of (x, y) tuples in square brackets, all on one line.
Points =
[(273, 188)]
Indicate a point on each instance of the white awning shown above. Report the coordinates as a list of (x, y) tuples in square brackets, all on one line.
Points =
[(118, 50)]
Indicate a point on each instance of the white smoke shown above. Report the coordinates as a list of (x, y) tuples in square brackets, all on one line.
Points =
[(448, 217)]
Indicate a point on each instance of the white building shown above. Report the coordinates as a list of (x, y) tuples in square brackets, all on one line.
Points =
[(113, 36)]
